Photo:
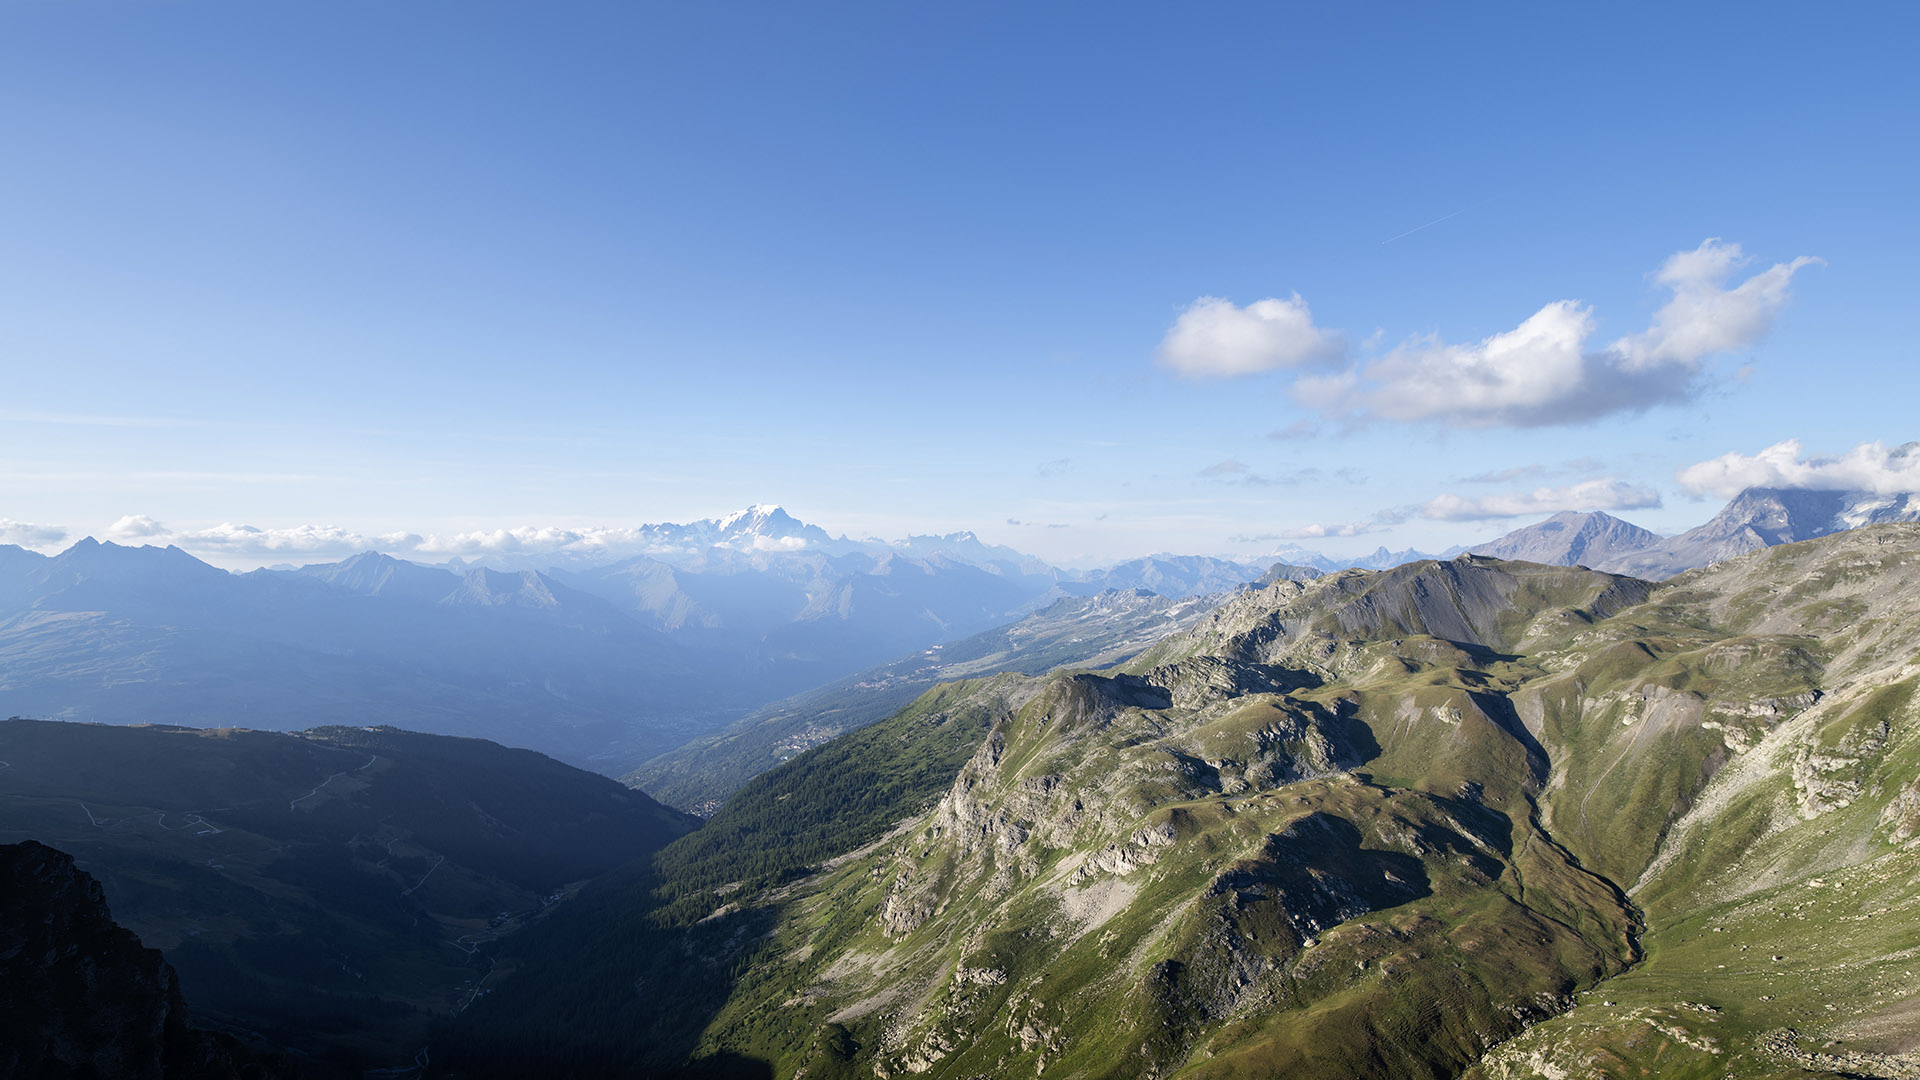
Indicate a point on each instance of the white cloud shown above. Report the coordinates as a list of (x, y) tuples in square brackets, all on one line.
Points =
[(135, 527), (228, 538), (29, 535), (1508, 378), (1703, 318), (1544, 371), (1871, 466), (1214, 337), (527, 539), (1603, 494)]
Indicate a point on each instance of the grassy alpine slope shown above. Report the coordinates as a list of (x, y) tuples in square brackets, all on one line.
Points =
[(1471, 816)]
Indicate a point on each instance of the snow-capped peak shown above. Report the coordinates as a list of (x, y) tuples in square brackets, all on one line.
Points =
[(752, 516)]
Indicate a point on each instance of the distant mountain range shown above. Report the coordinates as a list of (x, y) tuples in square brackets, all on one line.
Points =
[(1379, 559), (604, 666), (1756, 518), (609, 666)]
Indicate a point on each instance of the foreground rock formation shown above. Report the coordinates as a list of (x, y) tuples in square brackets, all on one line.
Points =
[(81, 997)]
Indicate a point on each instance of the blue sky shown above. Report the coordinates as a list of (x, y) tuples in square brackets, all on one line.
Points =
[(344, 271)]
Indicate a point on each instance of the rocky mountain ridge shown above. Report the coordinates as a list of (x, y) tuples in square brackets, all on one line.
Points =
[(1472, 815), (1755, 518)]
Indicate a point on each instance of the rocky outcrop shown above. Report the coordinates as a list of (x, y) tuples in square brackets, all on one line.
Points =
[(81, 997)]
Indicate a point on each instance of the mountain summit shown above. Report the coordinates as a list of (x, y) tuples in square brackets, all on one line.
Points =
[(1570, 539), (1760, 518)]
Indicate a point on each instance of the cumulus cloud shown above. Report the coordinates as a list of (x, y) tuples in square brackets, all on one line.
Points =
[(1215, 337), (1546, 370), (29, 535), (1603, 494), (135, 527), (1870, 466), (1704, 318)]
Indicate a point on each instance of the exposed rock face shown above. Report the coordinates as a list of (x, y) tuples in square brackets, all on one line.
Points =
[(81, 997), (1570, 539), (1761, 518), (1470, 601)]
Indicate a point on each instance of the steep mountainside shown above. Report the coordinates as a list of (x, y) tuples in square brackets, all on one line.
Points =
[(82, 997), (1570, 539), (336, 890), (1095, 631), (1472, 815)]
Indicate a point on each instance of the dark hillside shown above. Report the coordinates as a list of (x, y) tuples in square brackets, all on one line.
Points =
[(334, 890)]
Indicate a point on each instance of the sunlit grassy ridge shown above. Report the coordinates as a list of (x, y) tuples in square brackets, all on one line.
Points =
[(1380, 824)]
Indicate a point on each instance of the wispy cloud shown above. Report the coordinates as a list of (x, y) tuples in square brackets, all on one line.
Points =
[(1299, 429), (1504, 476), (1604, 494), (1236, 472), (1570, 467), (1870, 466), (1227, 468)]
